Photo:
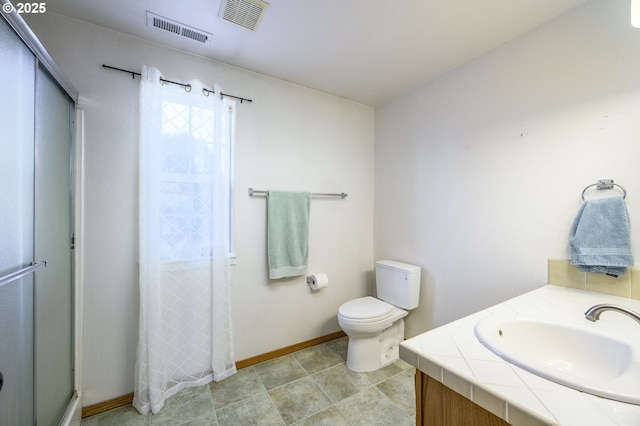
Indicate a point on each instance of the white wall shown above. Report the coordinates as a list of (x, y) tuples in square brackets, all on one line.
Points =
[(289, 138), (478, 174)]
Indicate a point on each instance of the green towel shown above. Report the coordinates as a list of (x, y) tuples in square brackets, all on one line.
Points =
[(287, 233)]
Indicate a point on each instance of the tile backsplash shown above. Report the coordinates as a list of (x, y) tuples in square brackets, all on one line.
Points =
[(563, 273)]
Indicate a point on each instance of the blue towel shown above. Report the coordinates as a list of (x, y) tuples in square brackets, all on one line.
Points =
[(287, 233), (600, 238)]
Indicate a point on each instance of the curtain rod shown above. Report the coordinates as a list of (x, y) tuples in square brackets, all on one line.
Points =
[(187, 87)]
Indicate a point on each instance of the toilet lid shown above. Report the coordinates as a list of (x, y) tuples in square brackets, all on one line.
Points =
[(365, 308)]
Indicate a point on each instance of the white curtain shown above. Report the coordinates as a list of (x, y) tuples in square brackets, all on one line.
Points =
[(185, 328)]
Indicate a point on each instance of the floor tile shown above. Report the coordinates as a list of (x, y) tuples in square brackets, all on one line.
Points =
[(329, 417), (299, 399), (339, 346), (404, 365), (371, 408), (338, 382), (187, 405), (258, 410), (242, 385), (401, 390), (375, 377), (279, 371), (309, 387), (317, 358)]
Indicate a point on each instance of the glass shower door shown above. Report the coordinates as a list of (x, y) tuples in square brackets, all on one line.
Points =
[(53, 224), (36, 302), (16, 229)]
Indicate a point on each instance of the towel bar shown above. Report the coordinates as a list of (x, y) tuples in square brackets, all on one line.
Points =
[(342, 195), (605, 184)]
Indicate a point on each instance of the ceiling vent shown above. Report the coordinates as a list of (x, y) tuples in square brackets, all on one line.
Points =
[(164, 24), (246, 13)]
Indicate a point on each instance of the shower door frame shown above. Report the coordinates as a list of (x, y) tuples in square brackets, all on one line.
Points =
[(15, 21)]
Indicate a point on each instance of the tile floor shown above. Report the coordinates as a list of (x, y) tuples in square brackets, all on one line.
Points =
[(309, 387)]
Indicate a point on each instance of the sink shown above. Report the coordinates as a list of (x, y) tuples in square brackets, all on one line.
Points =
[(579, 357)]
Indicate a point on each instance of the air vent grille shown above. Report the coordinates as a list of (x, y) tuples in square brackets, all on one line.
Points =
[(246, 13), (166, 25), (194, 35), (162, 23)]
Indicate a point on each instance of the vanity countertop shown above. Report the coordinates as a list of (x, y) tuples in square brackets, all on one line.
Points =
[(452, 355)]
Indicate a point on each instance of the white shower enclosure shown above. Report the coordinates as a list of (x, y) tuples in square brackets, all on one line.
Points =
[(36, 223)]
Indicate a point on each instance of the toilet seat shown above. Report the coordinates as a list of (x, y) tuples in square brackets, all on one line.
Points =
[(366, 309)]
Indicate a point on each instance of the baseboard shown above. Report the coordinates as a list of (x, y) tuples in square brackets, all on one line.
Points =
[(101, 407), (289, 349), (123, 400)]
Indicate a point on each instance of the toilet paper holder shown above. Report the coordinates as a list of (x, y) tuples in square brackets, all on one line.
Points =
[(317, 281)]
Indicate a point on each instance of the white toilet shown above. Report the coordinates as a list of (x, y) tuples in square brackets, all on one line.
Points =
[(375, 327)]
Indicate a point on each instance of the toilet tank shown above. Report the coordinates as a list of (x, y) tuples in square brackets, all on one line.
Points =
[(398, 283)]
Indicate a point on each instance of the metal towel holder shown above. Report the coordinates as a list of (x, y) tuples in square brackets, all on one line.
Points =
[(342, 195), (605, 184)]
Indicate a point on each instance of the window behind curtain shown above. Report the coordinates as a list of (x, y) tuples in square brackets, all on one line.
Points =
[(187, 160)]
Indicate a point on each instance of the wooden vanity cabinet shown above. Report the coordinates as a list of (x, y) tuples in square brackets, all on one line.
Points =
[(438, 405)]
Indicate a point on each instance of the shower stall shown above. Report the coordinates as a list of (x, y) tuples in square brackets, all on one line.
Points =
[(37, 112)]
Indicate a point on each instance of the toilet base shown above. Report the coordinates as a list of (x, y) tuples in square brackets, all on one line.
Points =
[(371, 352)]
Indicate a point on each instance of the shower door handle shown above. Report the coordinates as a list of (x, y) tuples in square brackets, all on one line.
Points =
[(1, 380), (22, 272)]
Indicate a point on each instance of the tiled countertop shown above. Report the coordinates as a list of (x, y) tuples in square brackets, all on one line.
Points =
[(453, 355)]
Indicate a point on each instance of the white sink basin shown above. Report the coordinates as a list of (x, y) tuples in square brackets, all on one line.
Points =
[(578, 357)]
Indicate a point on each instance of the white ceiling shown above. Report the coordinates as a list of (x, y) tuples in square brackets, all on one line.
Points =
[(368, 51)]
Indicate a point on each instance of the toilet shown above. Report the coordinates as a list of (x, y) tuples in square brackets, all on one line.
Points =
[(375, 326)]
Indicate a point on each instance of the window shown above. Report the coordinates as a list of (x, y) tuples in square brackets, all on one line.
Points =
[(189, 162)]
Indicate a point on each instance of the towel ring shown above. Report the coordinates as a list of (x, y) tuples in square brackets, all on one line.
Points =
[(605, 184)]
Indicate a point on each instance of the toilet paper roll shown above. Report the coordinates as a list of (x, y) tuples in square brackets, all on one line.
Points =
[(318, 281)]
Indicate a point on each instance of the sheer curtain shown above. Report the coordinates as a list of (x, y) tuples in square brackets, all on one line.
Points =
[(185, 164)]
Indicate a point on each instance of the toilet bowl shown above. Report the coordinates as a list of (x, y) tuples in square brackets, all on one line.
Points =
[(375, 330), (375, 326)]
